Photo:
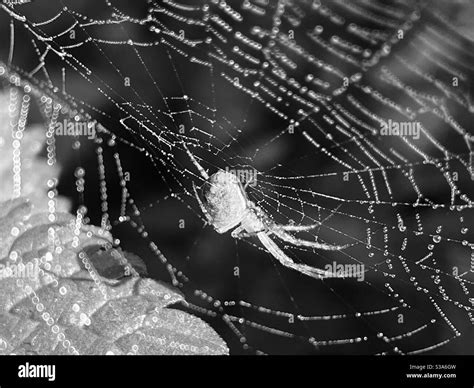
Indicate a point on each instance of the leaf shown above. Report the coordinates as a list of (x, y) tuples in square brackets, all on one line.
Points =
[(65, 290), (105, 316), (114, 263)]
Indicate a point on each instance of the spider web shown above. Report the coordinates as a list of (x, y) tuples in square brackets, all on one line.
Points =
[(296, 91)]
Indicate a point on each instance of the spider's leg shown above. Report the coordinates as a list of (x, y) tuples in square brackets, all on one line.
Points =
[(250, 226), (278, 254), (296, 228), (201, 170), (201, 205), (249, 182), (305, 243), (240, 232), (302, 228)]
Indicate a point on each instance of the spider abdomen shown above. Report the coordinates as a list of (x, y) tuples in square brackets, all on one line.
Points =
[(225, 200)]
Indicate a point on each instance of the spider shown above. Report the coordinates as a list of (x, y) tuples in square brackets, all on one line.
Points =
[(226, 206)]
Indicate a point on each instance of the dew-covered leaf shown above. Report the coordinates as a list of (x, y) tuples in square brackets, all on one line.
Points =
[(72, 304), (64, 288)]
